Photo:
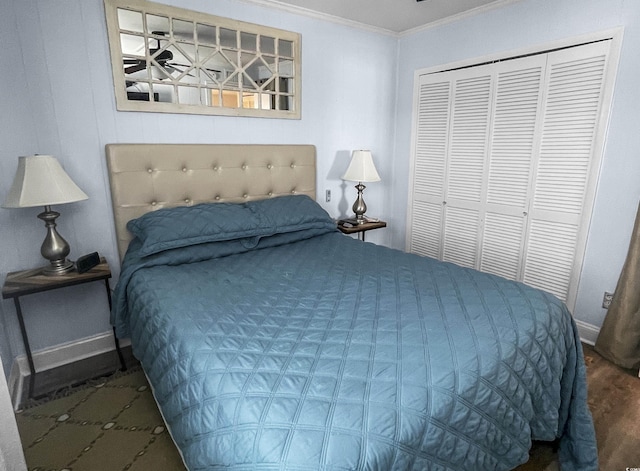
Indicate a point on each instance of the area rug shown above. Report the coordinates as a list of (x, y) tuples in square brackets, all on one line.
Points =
[(108, 425)]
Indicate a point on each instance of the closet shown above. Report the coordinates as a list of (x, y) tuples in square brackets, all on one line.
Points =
[(505, 161)]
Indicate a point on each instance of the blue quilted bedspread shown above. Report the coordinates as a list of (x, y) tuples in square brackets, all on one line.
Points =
[(327, 353)]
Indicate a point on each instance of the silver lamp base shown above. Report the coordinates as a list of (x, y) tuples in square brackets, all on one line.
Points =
[(359, 207), (54, 248), (58, 268)]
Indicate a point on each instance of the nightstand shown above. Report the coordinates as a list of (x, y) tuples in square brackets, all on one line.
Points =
[(347, 227), (25, 282)]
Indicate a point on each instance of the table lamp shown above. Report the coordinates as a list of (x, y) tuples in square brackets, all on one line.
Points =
[(361, 169), (41, 181)]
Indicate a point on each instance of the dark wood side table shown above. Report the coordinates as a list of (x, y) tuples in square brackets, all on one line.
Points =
[(25, 282), (360, 229)]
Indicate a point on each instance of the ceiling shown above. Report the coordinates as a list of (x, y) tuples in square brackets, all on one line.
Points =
[(396, 16)]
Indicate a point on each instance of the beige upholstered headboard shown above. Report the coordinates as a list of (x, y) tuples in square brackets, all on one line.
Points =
[(146, 177)]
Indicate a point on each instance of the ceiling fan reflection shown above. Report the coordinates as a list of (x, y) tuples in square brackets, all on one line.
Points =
[(160, 59)]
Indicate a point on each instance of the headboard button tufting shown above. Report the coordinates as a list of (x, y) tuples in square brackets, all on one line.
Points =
[(184, 169), (149, 170)]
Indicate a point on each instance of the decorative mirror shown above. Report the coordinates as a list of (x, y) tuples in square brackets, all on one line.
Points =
[(171, 60)]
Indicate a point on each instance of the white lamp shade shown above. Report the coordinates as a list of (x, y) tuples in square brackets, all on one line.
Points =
[(41, 181), (361, 168)]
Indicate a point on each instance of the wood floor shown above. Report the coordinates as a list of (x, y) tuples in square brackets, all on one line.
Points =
[(614, 401)]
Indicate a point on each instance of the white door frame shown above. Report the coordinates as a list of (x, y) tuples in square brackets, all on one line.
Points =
[(11, 454)]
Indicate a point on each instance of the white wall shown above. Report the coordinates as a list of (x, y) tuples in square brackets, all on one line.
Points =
[(17, 129), (59, 89), (16, 135), (522, 25)]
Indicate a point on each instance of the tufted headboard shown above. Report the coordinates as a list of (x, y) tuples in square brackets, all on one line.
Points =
[(146, 177)]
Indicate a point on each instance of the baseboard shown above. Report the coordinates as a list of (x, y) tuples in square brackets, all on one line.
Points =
[(588, 332), (96, 354)]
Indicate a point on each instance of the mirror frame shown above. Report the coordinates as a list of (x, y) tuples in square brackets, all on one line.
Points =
[(123, 103)]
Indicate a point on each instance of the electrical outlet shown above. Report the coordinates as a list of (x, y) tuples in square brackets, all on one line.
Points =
[(327, 196), (606, 300)]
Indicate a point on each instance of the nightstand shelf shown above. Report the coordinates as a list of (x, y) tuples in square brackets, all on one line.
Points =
[(348, 227), (26, 282)]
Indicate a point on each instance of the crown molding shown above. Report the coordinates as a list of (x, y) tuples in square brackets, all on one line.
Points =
[(275, 4), (297, 10), (458, 16)]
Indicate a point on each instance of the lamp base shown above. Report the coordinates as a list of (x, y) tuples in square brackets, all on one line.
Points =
[(58, 267), (54, 248), (359, 207)]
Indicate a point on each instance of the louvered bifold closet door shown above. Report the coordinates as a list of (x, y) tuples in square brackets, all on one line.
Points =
[(450, 160), (474, 139), (518, 101), (503, 161), (564, 169), (466, 163), (431, 148)]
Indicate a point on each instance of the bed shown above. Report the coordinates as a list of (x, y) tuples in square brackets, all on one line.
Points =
[(274, 342)]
